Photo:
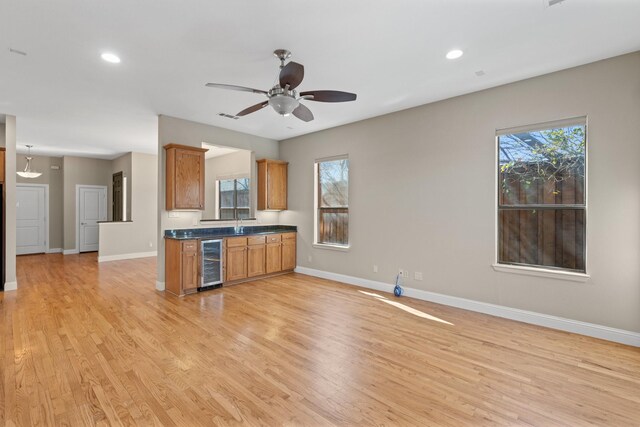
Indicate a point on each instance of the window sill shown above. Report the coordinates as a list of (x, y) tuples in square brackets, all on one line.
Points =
[(332, 247), (542, 272)]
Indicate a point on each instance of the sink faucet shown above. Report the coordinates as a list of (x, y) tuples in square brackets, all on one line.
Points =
[(239, 228)]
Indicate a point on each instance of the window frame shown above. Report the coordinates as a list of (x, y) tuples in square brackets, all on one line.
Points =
[(235, 207), (318, 208), (535, 269)]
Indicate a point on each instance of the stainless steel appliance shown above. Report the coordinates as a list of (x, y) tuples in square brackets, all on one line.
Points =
[(210, 264)]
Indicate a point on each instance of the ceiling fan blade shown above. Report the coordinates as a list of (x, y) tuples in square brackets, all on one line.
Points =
[(292, 75), (328, 96), (253, 109), (234, 87), (303, 113)]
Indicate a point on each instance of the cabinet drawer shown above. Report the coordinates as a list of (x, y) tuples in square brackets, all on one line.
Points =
[(190, 246), (236, 241), (274, 238), (257, 240), (289, 236)]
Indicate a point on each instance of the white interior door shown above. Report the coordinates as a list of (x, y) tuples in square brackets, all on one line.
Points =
[(30, 219), (92, 208)]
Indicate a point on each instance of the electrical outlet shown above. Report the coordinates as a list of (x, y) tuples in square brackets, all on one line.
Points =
[(375, 268), (310, 259), (404, 273), (173, 214), (418, 275), (150, 244)]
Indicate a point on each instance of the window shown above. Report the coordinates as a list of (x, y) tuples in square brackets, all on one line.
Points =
[(234, 198), (332, 201), (541, 196)]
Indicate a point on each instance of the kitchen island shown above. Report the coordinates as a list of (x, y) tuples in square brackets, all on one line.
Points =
[(204, 258)]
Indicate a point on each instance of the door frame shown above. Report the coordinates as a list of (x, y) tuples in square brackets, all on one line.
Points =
[(46, 210), (78, 186)]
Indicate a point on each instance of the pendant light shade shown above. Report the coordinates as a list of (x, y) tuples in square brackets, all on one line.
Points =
[(27, 173)]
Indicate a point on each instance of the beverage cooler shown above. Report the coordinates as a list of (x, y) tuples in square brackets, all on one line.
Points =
[(210, 264)]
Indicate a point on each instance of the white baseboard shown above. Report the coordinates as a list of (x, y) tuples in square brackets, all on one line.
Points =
[(160, 286), (119, 257), (10, 286), (70, 251), (54, 251), (575, 326)]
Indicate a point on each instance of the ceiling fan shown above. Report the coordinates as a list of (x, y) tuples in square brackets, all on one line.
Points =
[(283, 97)]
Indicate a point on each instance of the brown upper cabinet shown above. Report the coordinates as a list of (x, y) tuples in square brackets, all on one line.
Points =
[(272, 185), (185, 177)]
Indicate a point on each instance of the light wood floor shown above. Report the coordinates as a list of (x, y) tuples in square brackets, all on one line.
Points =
[(83, 344)]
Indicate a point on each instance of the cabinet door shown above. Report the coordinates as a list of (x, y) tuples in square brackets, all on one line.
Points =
[(274, 257), (288, 254), (189, 179), (256, 258), (2, 161), (277, 186), (236, 263), (189, 271)]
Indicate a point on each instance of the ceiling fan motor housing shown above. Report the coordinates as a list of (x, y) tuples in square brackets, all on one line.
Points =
[(283, 100)]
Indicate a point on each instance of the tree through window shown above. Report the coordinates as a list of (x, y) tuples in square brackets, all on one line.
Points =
[(234, 198), (333, 201), (541, 196)]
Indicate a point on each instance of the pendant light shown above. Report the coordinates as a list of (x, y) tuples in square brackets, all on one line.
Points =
[(27, 173)]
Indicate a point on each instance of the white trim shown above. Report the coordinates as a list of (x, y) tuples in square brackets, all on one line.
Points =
[(332, 247), (46, 213), (574, 326), (119, 257), (160, 286), (10, 286), (54, 251), (541, 272), (106, 193), (561, 123), (70, 251)]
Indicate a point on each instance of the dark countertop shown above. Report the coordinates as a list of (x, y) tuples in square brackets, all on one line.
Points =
[(219, 232)]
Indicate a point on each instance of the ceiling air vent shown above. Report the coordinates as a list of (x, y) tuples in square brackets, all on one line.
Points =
[(228, 116)]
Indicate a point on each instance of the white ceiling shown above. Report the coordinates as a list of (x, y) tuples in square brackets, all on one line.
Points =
[(391, 53), (217, 151)]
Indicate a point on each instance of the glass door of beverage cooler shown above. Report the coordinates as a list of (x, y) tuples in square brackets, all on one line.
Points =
[(211, 264)]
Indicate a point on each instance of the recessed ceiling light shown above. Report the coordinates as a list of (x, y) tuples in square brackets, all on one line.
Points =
[(110, 57), (454, 54)]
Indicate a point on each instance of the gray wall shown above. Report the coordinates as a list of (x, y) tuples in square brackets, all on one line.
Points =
[(233, 165), (85, 171), (121, 164), (10, 200), (139, 236), (179, 131), (2, 134), (423, 191), (54, 179)]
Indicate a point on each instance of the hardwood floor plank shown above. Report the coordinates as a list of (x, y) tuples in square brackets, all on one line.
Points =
[(84, 343)]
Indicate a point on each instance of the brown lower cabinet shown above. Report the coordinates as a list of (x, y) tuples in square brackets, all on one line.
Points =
[(256, 256), (181, 266), (288, 251), (244, 258), (259, 255)]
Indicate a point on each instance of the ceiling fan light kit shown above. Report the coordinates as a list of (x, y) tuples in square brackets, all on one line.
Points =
[(27, 172), (283, 97)]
